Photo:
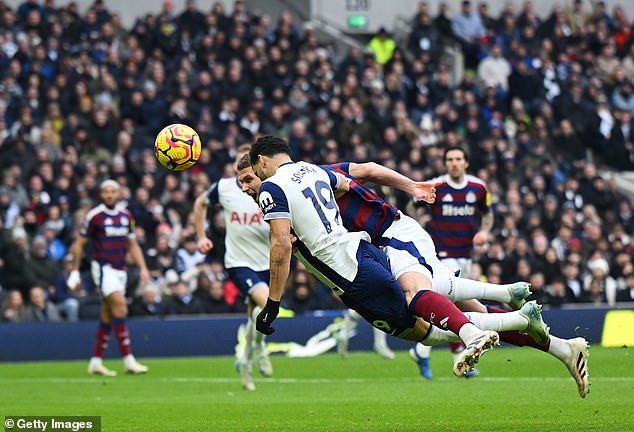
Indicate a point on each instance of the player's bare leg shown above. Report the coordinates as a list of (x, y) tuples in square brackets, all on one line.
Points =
[(119, 310)]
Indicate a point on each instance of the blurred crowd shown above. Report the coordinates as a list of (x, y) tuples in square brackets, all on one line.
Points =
[(544, 105)]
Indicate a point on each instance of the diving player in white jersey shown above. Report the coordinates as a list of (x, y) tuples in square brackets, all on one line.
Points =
[(246, 259), (573, 352), (300, 197)]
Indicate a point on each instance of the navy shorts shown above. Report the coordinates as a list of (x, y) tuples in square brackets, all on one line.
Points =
[(376, 295), (246, 279)]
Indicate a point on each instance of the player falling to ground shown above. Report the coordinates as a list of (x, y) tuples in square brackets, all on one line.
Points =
[(299, 196), (111, 231), (388, 226), (528, 319), (358, 199), (246, 259)]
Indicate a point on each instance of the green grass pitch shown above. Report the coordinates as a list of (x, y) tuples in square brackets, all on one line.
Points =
[(519, 389)]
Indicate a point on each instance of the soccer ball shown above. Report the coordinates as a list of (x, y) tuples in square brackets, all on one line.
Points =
[(177, 147)]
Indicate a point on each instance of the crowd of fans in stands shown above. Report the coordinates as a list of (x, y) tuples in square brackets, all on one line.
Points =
[(545, 104)]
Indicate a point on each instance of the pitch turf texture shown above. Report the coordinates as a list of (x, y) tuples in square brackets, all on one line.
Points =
[(519, 389)]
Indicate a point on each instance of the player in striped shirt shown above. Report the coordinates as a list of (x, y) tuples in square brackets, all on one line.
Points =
[(376, 215), (461, 218), (111, 231)]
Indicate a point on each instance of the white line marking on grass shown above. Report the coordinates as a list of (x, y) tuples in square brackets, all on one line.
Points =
[(211, 380)]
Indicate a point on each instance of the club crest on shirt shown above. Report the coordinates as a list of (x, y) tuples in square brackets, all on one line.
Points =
[(124, 221), (471, 197)]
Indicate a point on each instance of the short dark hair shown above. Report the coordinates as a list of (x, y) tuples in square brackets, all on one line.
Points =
[(269, 146), (454, 148), (244, 162)]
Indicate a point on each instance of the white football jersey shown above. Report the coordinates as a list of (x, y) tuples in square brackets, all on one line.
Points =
[(247, 239), (303, 193)]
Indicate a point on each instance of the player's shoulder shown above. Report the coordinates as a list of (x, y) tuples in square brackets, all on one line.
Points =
[(475, 181), (440, 179), (95, 211), (224, 184), (341, 167)]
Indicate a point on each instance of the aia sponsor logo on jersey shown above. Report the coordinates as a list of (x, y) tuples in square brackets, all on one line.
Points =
[(246, 218)]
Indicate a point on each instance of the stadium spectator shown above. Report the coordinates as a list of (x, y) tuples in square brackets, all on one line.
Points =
[(16, 256), (40, 309), (180, 300), (468, 29), (40, 269), (382, 45), (212, 294), (65, 298), (13, 309)]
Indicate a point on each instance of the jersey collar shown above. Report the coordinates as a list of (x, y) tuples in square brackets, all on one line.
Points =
[(286, 163), (455, 185)]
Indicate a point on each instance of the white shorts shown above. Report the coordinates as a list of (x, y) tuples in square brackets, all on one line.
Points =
[(455, 264), (410, 248), (108, 279)]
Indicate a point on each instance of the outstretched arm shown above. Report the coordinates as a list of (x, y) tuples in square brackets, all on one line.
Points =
[(375, 173)]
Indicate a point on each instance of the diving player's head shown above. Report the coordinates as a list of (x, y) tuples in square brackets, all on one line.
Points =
[(249, 182), (267, 153), (110, 193), (456, 162)]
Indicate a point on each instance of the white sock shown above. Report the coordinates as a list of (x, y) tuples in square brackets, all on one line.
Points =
[(436, 336), (350, 322), (468, 332), (257, 337), (559, 348), (458, 289), (423, 351), (380, 338), (498, 321), (247, 354)]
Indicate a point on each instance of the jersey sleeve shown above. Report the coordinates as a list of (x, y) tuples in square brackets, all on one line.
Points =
[(334, 180), (88, 228), (342, 167), (211, 195), (485, 201), (131, 224), (273, 202)]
